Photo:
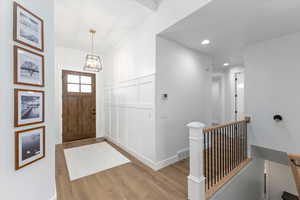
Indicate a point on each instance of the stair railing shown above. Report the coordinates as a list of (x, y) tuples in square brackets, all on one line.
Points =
[(216, 153), (225, 149)]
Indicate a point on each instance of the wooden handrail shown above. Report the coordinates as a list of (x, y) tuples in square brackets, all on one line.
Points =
[(294, 156), (295, 171), (247, 120)]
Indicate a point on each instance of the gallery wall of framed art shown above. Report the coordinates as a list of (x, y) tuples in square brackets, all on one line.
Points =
[(29, 79), (35, 180)]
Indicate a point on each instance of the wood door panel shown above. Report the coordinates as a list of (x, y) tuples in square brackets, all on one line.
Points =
[(79, 110), (71, 126)]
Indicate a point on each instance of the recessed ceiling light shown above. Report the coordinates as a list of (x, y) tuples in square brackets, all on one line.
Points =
[(205, 42), (226, 64)]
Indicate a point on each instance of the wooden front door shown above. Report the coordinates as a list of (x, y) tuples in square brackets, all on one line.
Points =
[(79, 106)]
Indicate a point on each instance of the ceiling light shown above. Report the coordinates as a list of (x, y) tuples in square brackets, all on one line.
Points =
[(226, 64), (205, 42), (92, 61)]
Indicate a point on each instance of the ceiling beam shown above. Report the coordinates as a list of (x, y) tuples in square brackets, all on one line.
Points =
[(151, 4)]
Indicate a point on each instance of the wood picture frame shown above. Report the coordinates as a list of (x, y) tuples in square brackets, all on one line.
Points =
[(29, 146), (29, 67), (29, 107), (28, 28)]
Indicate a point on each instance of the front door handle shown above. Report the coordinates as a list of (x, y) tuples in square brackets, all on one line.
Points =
[(93, 112)]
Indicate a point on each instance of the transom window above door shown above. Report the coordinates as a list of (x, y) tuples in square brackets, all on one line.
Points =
[(79, 83)]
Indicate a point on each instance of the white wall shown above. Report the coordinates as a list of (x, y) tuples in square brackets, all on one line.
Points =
[(248, 184), (73, 59), (184, 75), (217, 99), (280, 179), (34, 182), (271, 87), (135, 57)]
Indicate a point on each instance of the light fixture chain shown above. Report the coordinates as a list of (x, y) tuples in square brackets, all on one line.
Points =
[(93, 35)]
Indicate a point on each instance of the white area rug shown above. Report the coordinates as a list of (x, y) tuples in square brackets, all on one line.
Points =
[(90, 159)]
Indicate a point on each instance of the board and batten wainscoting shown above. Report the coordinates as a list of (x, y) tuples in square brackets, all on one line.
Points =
[(131, 125)]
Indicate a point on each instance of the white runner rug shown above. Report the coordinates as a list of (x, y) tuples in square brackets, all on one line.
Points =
[(90, 159)]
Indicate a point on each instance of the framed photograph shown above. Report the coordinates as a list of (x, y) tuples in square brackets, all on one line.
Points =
[(28, 28), (29, 107), (30, 146), (28, 67)]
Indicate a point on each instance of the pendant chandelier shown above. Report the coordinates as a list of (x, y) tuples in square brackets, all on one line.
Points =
[(93, 62)]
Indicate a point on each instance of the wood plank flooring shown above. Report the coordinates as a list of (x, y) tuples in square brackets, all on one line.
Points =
[(132, 181)]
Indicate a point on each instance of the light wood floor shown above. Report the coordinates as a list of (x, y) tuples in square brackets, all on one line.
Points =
[(132, 181)]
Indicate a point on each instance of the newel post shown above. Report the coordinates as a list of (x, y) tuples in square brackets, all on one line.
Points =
[(196, 179)]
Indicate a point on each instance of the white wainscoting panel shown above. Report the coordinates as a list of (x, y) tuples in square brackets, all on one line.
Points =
[(107, 112), (114, 123), (123, 126), (129, 115)]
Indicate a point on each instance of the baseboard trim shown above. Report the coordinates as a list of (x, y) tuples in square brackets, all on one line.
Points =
[(138, 156), (54, 197), (171, 160), (55, 194), (166, 162), (146, 161)]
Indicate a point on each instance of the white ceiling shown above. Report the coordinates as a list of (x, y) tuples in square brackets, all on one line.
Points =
[(112, 19), (232, 25)]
